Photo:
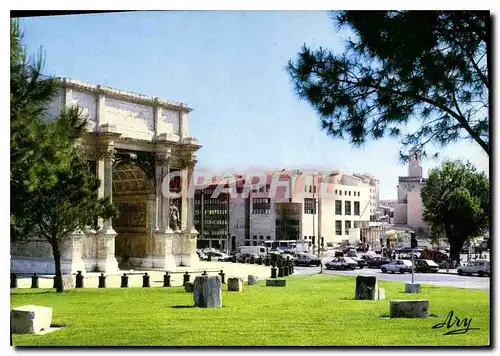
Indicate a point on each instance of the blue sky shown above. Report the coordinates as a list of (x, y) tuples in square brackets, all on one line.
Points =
[(229, 67)]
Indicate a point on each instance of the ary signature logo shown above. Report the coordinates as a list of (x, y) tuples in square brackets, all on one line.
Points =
[(459, 326)]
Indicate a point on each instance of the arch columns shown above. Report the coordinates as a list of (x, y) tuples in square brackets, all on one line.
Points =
[(161, 251), (105, 237), (189, 257)]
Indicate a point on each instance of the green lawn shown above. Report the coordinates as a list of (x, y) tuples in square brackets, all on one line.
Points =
[(311, 310)]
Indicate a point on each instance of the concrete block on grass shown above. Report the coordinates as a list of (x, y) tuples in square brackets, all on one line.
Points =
[(30, 319), (275, 282)]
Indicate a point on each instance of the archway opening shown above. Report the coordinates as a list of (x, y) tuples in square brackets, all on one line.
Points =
[(133, 194)]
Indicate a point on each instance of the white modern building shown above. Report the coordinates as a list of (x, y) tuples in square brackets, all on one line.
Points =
[(295, 205)]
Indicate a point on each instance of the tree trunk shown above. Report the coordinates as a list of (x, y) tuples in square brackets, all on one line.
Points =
[(57, 262)]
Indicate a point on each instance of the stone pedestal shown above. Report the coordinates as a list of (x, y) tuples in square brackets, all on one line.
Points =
[(30, 319), (366, 288), (252, 279), (381, 294), (162, 251), (186, 253), (106, 261), (412, 288), (235, 284), (409, 308), (207, 292), (71, 255), (275, 282)]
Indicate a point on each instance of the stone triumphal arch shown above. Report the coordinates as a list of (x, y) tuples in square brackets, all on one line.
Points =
[(133, 143)]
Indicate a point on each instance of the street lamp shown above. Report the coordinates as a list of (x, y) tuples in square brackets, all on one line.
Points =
[(315, 175)]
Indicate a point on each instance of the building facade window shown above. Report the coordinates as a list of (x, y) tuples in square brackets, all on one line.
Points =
[(347, 209), (356, 208), (268, 237), (347, 227), (338, 207), (255, 237), (261, 237), (338, 227), (340, 192), (261, 205), (247, 243), (309, 206)]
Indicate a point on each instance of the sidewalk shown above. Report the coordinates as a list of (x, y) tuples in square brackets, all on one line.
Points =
[(91, 279)]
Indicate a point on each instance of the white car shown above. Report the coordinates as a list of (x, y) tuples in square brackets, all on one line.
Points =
[(400, 266), (481, 267)]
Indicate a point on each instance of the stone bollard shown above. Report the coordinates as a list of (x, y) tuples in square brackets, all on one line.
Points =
[(204, 273), (285, 270), (235, 284), (234, 259), (186, 278), (409, 308), (280, 272), (124, 283), (252, 279), (145, 281), (412, 288), (252, 260), (79, 280), (259, 261), (34, 281), (222, 277), (267, 262), (13, 280), (166, 280), (102, 281), (273, 272), (207, 292), (209, 258), (366, 288)]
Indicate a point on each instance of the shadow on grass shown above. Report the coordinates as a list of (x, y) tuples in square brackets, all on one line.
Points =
[(388, 316), (182, 306), (32, 292)]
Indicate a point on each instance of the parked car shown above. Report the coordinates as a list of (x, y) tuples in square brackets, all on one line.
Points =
[(304, 259), (288, 254), (377, 262), (481, 267), (361, 262), (338, 253), (201, 255), (219, 256), (426, 266), (400, 266), (341, 263)]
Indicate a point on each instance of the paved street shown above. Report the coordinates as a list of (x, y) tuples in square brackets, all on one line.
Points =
[(439, 279), (243, 270)]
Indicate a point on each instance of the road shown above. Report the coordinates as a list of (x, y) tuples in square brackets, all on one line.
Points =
[(439, 279)]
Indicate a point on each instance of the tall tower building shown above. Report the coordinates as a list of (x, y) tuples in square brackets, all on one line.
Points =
[(414, 167)]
